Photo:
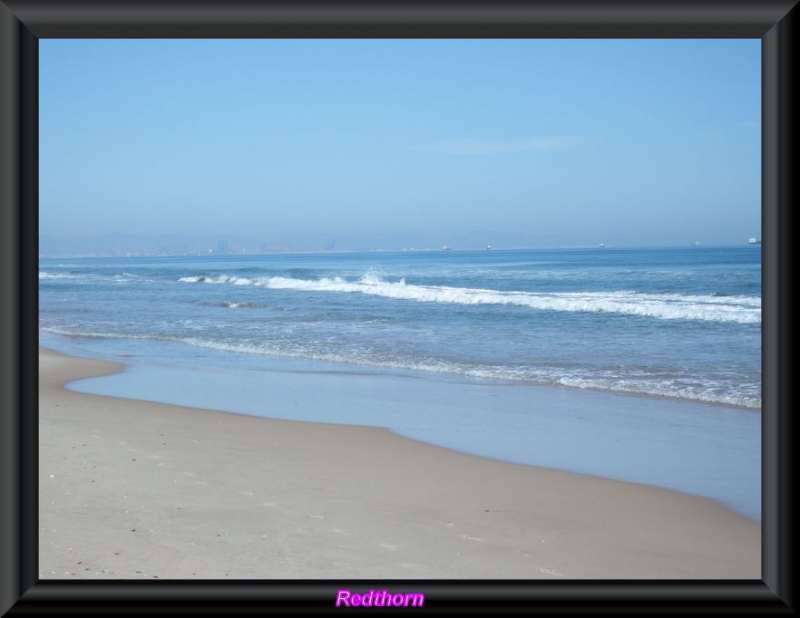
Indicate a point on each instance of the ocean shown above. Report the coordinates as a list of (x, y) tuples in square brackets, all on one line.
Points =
[(533, 356)]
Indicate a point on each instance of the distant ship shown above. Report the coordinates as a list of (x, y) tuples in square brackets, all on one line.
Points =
[(445, 248), (753, 241), (488, 247)]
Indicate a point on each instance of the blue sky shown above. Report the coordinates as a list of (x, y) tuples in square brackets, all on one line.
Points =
[(627, 142)]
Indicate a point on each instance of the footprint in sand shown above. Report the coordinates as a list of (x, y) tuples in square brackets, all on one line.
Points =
[(469, 537), (550, 572)]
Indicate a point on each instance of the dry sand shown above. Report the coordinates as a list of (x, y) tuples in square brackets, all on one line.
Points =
[(132, 489)]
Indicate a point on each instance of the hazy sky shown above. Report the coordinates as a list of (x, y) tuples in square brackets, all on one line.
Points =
[(633, 142)]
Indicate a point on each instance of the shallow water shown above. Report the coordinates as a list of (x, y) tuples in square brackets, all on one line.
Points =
[(699, 449)]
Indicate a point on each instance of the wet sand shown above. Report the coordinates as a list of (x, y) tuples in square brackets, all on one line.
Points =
[(133, 489)]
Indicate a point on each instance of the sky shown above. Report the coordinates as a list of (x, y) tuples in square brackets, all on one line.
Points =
[(627, 142)]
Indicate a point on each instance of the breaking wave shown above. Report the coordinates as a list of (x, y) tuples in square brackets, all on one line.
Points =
[(709, 307)]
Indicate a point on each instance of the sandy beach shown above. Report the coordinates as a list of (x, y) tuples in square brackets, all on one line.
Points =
[(132, 489)]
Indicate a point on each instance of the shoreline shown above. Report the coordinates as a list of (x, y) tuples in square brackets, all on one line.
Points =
[(367, 370), (702, 450), (190, 493)]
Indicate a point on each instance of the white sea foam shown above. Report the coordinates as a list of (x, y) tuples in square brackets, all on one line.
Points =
[(93, 278), (46, 275), (642, 385), (739, 309), (624, 382)]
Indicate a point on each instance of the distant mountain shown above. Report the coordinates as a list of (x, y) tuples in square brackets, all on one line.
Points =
[(122, 244)]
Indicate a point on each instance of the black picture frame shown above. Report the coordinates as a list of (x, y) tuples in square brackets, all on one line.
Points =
[(24, 22)]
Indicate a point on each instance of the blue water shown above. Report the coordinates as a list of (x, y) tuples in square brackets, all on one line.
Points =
[(652, 347)]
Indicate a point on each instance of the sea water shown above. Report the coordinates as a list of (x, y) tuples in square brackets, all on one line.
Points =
[(637, 364)]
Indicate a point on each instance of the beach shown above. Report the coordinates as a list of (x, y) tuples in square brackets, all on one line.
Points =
[(130, 489)]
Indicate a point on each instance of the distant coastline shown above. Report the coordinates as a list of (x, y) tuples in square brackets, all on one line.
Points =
[(181, 245)]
